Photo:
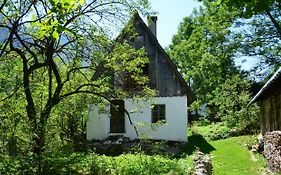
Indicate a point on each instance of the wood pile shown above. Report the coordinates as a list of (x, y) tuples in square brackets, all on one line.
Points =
[(272, 150)]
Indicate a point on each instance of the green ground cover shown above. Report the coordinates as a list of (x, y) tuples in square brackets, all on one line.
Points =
[(93, 164), (231, 156)]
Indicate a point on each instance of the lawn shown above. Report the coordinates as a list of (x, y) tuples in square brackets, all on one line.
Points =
[(230, 156)]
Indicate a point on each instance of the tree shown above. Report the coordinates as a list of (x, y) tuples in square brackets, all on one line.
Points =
[(257, 29), (205, 49), (57, 42), (232, 98), (202, 50)]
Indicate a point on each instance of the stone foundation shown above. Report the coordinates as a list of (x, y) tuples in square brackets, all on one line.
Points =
[(272, 150)]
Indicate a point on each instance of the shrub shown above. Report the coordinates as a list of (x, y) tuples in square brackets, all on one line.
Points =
[(18, 165), (216, 131), (90, 163), (140, 164), (202, 121), (232, 99)]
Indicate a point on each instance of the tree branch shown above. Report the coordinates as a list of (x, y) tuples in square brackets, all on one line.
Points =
[(3, 4), (30, 108), (130, 120), (275, 23), (26, 47), (73, 70), (37, 66), (84, 91)]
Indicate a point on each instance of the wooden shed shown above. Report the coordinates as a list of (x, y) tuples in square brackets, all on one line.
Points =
[(269, 100)]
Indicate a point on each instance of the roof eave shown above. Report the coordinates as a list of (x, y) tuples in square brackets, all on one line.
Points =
[(267, 85)]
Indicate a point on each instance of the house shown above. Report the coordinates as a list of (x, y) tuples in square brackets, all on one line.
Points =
[(170, 105), (269, 100)]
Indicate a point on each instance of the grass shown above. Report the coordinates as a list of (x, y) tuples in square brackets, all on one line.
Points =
[(214, 131), (212, 128), (229, 156)]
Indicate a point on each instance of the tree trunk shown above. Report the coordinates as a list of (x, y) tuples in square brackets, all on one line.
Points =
[(39, 139)]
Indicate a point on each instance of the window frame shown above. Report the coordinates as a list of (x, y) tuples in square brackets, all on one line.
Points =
[(158, 113)]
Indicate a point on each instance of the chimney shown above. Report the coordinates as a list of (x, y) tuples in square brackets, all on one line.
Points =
[(152, 20)]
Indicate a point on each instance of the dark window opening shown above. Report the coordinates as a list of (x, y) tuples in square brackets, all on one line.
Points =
[(158, 113), (130, 83), (117, 116), (145, 69), (139, 41)]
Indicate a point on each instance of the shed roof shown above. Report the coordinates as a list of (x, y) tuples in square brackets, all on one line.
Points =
[(275, 79)]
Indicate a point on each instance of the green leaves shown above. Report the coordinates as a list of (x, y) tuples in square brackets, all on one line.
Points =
[(232, 98), (58, 49), (202, 51), (54, 24), (56, 35), (257, 29)]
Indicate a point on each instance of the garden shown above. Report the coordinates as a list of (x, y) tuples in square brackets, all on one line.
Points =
[(229, 155)]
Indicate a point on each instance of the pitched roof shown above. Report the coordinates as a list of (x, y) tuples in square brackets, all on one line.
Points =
[(273, 81), (190, 95)]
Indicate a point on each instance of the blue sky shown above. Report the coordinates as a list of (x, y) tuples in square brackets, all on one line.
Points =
[(170, 14)]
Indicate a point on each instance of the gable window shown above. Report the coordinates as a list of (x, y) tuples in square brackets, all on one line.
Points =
[(139, 42), (130, 83), (158, 113)]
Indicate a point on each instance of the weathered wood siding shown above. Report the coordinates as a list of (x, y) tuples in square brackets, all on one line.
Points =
[(162, 75), (270, 116)]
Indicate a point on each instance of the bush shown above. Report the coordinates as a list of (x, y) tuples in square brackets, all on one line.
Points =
[(202, 122), (90, 163), (232, 99), (18, 165), (216, 131), (141, 164)]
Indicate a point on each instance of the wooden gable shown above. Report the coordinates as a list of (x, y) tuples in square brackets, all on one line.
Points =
[(161, 71)]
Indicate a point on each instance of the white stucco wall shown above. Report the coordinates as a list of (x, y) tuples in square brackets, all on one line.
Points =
[(174, 129), (98, 123)]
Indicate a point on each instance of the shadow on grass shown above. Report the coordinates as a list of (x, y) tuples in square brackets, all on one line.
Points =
[(197, 142)]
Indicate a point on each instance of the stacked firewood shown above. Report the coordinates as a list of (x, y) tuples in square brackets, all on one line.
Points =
[(272, 150)]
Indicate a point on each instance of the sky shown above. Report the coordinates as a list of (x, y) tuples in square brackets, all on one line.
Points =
[(170, 14)]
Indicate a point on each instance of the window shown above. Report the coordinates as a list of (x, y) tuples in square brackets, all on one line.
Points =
[(158, 113), (130, 83), (139, 42)]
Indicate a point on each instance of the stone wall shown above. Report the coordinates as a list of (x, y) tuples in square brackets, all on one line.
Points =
[(272, 150), (203, 164)]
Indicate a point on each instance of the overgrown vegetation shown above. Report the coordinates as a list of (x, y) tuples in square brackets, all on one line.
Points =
[(218, 130), (209, 44), (91, 163), (54, 54), (214, 131)]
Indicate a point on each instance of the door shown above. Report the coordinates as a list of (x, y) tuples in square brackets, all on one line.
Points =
[(117, 116)]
